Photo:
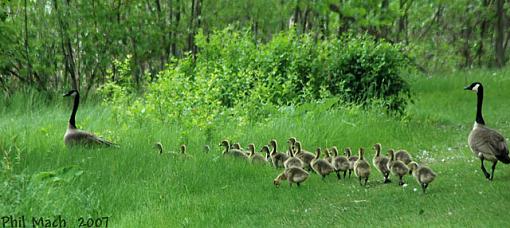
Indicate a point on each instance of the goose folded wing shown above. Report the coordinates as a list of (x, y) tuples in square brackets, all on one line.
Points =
[(91, 138), (489, 141), (497, 143)]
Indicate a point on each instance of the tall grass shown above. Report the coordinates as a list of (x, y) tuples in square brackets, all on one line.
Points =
[(137, 187)]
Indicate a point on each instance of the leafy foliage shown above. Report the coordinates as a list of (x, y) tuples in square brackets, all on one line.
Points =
[(233, 76)]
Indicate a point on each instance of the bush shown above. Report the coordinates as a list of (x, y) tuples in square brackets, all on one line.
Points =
[(233, 76)]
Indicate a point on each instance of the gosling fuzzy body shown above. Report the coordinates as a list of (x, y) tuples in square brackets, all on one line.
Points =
[(293, 161), (397, 167), (292, 175), (254, 157), (381, 163), (232, 152), (321, 166), (404, 156), (352, 159), (340, 163), (361, 167), (305, 156), (423, 175), (277, 158)]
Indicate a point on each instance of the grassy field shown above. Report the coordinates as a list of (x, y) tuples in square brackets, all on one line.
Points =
[(134, 186)]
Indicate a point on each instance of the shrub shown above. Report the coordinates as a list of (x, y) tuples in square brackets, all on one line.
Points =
[(236, 77)]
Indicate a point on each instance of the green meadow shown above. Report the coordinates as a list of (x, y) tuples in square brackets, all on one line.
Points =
[(134, 186)]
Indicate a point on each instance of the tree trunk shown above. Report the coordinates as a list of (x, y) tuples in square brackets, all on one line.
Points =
[(191, 28), (384, 13), (499, 29), (483, 29), (29, 64), (67, 48)]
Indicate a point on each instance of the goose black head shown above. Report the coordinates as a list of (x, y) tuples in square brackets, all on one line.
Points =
[(71, 93), (475, 87)]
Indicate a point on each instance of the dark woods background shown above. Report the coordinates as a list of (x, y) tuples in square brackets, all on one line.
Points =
[(56, 44)]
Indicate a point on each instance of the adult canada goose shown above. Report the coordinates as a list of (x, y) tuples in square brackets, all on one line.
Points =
[(293, 161), (361, 167), (305, 156), (486, 143), (277, 158), (381, 163), (75, 136), (321, 166), (254, 157), (232, 152), (341, 163), (352, 159), (293, 175), (423, 175), (398, 168)]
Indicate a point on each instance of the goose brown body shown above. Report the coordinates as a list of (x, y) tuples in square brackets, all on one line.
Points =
[(74, 136), (484, 142)]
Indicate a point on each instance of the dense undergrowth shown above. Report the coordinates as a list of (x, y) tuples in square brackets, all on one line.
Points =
[(235, 78)]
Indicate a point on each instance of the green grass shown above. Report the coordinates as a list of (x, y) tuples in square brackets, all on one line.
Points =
[(136, 187)]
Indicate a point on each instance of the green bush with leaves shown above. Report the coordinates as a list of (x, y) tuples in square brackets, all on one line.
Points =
[(233, 76)]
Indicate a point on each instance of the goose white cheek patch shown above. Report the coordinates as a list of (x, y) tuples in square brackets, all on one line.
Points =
[(475, 88)]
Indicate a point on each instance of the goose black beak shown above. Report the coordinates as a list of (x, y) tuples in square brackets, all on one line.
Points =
[(467, 88)]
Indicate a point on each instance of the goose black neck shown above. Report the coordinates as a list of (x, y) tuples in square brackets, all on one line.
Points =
[(479, 95), (72, 121)]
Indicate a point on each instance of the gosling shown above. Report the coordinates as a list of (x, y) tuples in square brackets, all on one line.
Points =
[(381, 163), (423, 175), (254, 157), (361, 167), (293, 175), (321, 166), (341, 163), (352, 160), (404, 156), (397, 167), (277, 158), (305, 156), (293, 161), (232, 152)]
